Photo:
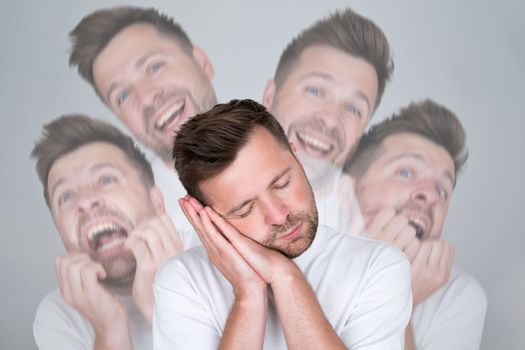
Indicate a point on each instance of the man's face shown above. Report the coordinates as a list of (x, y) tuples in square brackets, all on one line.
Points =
[(152, 84), (96, 199), (413, 175), (324, 105), (265, 195)]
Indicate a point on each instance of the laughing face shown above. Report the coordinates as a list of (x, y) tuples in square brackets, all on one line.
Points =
[(97, 198), (324, 105), (413, 175), (269, 198), (152, 84)]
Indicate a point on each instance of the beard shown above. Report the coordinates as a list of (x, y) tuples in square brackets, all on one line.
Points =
[(297, 246), (119, 264)]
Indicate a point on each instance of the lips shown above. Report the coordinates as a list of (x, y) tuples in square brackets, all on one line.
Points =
[(105, 236), (420, 224), (291, 235), (170, 115), (315, 145)]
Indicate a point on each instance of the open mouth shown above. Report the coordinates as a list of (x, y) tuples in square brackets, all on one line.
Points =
[(314, 144), (169, 116), (105, 236), (419, 225)]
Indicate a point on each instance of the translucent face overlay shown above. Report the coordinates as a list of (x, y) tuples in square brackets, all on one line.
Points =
[(96, 199), (268, 196), (413, 175), (152, 84), (324, 105)]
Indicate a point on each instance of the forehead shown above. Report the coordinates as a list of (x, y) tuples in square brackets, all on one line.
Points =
[(338, 63), (255, 166), (84, 158), (412, 146), (127, 47)]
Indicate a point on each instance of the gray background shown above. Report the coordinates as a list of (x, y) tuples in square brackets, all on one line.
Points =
[(464, 54)]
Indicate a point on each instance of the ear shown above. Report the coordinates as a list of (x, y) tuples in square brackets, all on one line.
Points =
[(203, 61), (269, 94), (157, 199), (295, 154)]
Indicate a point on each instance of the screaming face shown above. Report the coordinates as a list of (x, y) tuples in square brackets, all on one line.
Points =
[(97, 198)]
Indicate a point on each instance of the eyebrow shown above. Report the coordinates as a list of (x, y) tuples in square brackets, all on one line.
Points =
[(114, 85), (329, 78), (93, 169), (274, 180), (420, 158)]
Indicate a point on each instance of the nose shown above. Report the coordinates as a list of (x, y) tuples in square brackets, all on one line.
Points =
[(275, 211), (148, 93), (425, 194), (330, 115), (88, 200)]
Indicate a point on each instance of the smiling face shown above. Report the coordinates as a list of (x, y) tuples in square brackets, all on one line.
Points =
[(152, 84), (268, 196), (97, 198), (413, 175), (324, 104)]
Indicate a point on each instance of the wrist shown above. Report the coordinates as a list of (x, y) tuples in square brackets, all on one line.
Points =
[(114, 333)]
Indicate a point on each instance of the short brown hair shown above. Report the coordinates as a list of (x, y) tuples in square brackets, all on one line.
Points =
[(427, 119), (96, 30), (68, 133), (346, 31), (209, 142)]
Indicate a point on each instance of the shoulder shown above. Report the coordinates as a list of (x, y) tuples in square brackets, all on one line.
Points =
[(359, 256), (58, 325), (462, 295), (188, 270)]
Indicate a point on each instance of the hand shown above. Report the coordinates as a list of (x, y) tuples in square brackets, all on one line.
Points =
[(78, 280), (152, 243), (431, 268), (268, 263), (393, 228), (221, 252)]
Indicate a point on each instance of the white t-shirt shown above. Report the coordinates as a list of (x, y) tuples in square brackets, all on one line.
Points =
[(172, 190), (59, 326), (363, 287), (452, 318)]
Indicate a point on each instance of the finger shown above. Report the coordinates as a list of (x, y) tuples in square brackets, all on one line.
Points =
[(447, 257), (153, 242), (406, 236), (195, 203), (228, 231), (139, 249), (194, 219), (411, 249), (422, 255), (242, 244), (380, 220), (434, 258), (173, 242)]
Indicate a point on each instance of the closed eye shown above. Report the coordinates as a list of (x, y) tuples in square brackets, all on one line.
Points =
[(283, 185)]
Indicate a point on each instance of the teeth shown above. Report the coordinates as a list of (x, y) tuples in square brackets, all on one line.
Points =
[(418, 222), (97, 229), (161, 122), (112, 244), (314, 142)]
